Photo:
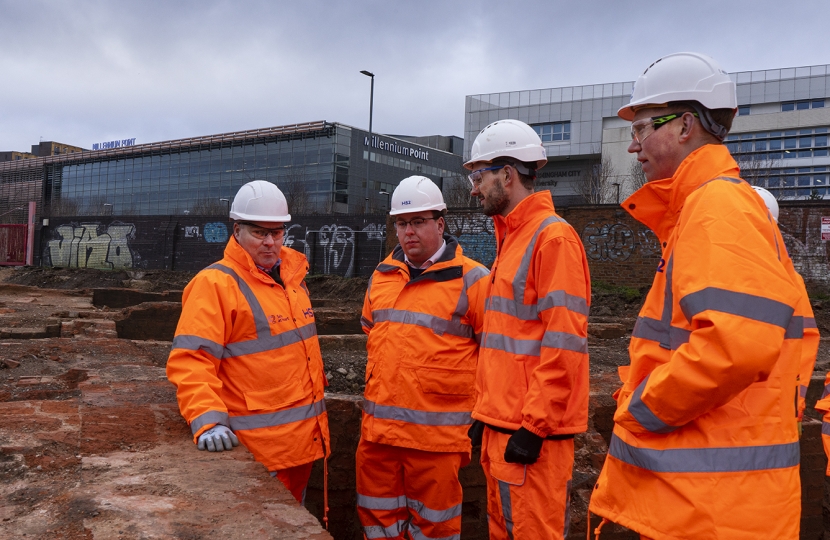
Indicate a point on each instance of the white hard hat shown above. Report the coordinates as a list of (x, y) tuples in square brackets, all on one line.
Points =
[(416, 194), (769, 200), (682, 77), (508, 138), (260, 201)]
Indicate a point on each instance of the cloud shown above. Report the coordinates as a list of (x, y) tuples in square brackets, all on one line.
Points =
[(91, 71)]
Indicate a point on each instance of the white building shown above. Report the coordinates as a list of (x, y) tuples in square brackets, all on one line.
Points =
[(780, 135)]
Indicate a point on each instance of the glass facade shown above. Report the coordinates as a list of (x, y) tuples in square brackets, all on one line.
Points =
[(320, 167)]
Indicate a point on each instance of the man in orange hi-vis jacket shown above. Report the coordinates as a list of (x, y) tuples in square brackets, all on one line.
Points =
[(532, 379), (705, 441), (245, 358), (810, 339), (423, 315)]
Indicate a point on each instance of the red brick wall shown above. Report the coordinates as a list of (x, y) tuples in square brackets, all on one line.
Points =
[(622, 251)]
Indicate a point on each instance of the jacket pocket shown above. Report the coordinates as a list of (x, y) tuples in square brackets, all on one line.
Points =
[(277, 397), (446, 382)]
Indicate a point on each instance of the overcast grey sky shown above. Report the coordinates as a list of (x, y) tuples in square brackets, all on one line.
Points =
[(82, 72)]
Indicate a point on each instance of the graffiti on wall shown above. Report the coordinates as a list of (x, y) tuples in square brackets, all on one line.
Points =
[(331, 248), (616, 242), (93, 245), (810, 255)]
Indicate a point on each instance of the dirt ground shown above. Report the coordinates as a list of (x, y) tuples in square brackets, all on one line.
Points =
[(41, 310)]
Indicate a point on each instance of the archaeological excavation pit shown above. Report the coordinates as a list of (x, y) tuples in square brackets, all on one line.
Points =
[(92, 438)]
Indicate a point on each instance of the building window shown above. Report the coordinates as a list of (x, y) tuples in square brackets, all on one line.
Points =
[(801, 105), (743, 110), (557, 131)]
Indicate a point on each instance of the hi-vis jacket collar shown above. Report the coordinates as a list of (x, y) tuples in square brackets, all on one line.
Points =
[(539, 201), (658, 204), (292, 263)]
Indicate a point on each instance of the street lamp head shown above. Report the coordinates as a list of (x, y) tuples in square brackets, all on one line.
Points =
[(368, 73), (384, 192)]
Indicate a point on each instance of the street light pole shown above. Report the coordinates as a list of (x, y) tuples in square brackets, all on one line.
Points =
[(388, 201), (369, 152)]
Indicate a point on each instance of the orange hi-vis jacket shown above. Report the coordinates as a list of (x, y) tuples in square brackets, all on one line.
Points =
[(533, 362), (246, 355), (423, 346), (705, 442), (823, 405), (809, 346)]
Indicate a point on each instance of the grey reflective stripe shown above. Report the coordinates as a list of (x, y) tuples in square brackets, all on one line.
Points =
[(260, 320), (417, 534), (810, 322), (269, 343), (825, 428), (745, 305), (565, 341), (508, 306), (795, 330), (506, 507), (520, 280), (714, 460), (379, 531), (644, 415), (802, 391), (654, 330), (825, 392), (383, 267), (210, 417), (196, 343), (525, 347), (279, 418), (668, 302), (412, 416), (529, 312), (366, 322), (476, 273), (562, 299), (435, 516), (469, 279), (567, 509), (436, 324), (515, 306), (381, 503)]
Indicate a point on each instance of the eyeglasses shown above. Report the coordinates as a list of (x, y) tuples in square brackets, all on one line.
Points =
[(416, 223), (475, 176), (641, 129), (261, 233)]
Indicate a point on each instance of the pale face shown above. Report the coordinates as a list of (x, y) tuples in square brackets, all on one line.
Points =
[(421, 242), (264, 251), (658, 153)]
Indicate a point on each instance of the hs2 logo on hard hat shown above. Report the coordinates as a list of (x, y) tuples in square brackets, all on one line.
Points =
[(510, 143), (404, 203)]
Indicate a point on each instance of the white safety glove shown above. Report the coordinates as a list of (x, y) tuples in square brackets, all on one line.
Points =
[(217, 438)]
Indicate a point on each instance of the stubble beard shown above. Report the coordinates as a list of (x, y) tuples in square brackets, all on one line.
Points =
[(496, 202)]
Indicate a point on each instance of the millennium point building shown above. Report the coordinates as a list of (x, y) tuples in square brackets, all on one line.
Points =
[(779, 136), (320, 166)]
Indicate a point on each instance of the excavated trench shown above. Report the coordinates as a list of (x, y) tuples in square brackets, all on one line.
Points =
[(75, 368)]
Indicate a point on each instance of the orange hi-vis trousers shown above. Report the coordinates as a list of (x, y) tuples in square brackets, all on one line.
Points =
[(408, 494), (295, 479), (527, 502)]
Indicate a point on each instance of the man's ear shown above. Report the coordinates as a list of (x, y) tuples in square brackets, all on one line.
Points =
[(688, 127)]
